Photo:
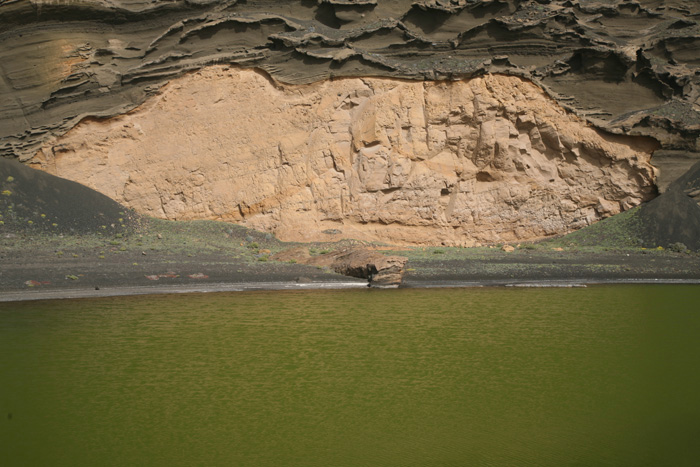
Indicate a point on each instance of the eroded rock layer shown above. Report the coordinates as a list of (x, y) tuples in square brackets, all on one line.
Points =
[(629, 66), (459, 163)]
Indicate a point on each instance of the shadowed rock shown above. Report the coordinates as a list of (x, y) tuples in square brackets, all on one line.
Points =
[(379, 270), (674, 217), (34, 201)]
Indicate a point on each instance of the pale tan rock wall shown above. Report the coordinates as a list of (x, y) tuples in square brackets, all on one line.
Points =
[(487, 160)]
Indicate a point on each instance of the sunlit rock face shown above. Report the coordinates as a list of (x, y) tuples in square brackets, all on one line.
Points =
[(485, 160)]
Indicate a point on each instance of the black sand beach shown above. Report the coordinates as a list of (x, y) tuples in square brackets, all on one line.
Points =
[(59, 239)]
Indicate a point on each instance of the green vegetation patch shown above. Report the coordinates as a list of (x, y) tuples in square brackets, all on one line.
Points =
[(622, 231)]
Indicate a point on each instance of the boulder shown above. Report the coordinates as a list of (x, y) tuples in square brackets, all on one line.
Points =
[(380, 270)]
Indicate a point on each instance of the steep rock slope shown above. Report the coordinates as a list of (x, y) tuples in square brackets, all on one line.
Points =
[(629, 66), (456, 162), (674, 217), (33, 201)]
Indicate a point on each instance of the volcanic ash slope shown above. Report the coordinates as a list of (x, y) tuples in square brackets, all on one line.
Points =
[(486, 160)]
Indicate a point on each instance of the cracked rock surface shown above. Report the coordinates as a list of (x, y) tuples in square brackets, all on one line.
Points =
[(461, 163)]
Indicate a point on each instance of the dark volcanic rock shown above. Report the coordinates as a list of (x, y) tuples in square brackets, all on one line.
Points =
[(629, 66), (671, 165), (33, 201), (674, 217)]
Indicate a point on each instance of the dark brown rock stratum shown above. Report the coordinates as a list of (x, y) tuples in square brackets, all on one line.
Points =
[(628, 66)]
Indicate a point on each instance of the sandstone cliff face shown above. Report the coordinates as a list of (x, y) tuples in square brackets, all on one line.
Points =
[(456, 163)]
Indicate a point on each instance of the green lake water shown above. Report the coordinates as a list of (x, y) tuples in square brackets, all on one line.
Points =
[(605, 375)]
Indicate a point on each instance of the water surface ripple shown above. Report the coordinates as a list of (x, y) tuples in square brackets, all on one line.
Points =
[(604, 375)]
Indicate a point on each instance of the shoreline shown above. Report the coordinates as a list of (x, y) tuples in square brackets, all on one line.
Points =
[(166, 257), (173, 289)]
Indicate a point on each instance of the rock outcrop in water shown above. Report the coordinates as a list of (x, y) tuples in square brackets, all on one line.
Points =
[(379, 270), (455, 163)]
